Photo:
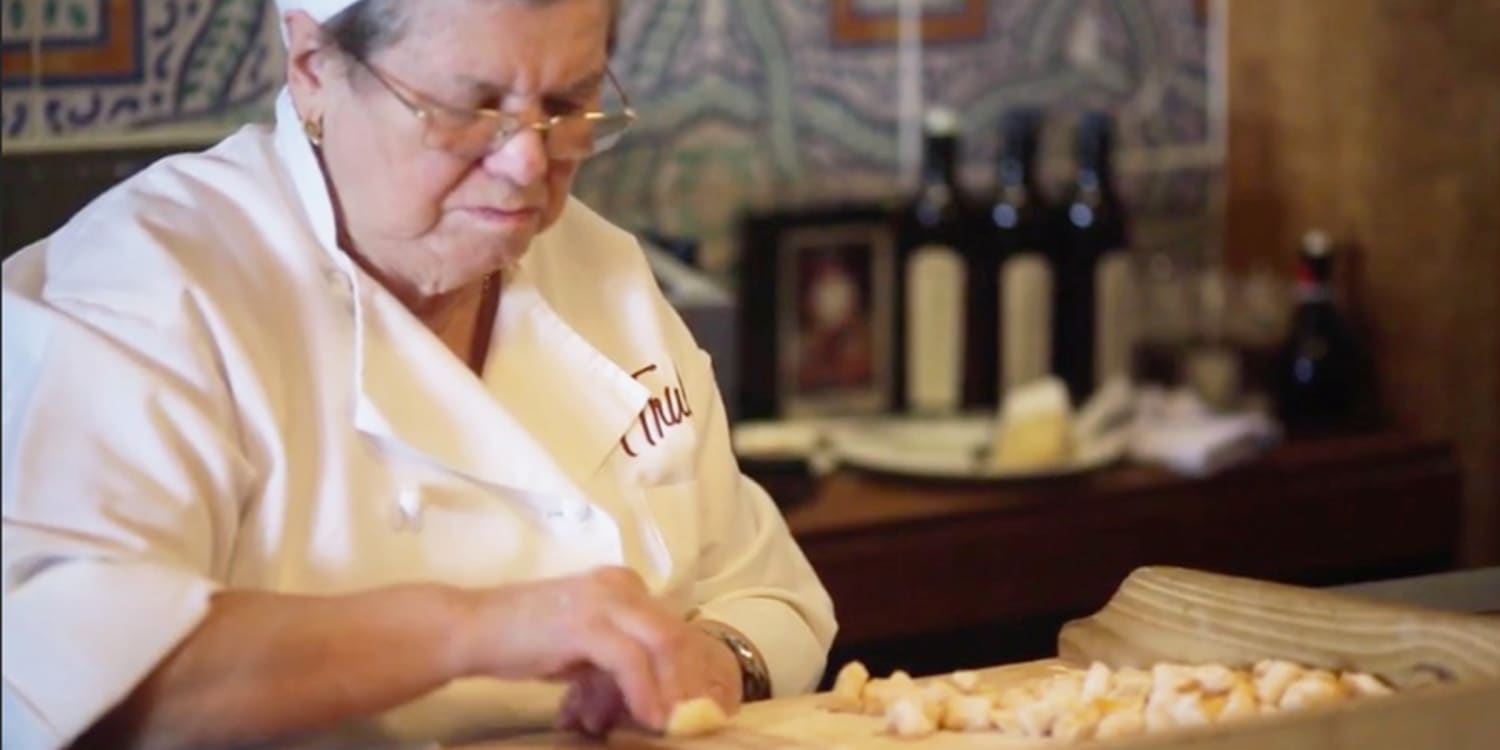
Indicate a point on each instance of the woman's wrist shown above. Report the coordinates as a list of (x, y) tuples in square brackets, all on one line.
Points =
[(468, 652), (755, 677)]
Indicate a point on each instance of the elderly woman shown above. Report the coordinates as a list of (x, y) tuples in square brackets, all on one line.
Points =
[(361, 414)]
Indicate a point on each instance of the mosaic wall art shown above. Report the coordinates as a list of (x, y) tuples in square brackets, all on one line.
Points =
[(90, 71), (745, 103)]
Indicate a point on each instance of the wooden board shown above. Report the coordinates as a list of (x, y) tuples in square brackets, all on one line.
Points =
[(1175, 614), (1449, 665)]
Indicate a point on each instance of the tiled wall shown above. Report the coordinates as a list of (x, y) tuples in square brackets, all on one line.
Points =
[(745, 103), (110, 72)]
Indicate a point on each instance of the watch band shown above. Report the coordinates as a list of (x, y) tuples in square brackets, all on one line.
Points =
[(755, 679)]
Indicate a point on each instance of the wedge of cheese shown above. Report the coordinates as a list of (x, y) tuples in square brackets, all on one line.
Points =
[(1036, 428)]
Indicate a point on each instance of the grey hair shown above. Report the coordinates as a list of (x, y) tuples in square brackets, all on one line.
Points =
[(369, 26)]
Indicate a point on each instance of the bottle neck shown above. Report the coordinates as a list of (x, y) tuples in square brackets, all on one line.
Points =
[(1016, 172), (1312, 284), (940, 162), (1095, 177)]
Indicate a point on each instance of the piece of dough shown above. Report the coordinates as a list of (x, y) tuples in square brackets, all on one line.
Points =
[(1096, 683), (848, 691), (1362, 684), (965, 680), (1130, 684), (907, 718), (967, 713), (1271, 679), (1122, 721), (1078, 722), (695, 718), (1314, 688)]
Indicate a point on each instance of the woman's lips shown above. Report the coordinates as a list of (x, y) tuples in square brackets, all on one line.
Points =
[(502, 216)]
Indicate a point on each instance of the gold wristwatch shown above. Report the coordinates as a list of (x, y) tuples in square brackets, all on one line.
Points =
[(755, 679)]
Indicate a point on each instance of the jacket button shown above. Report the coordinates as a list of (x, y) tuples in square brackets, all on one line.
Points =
[(409, 509)]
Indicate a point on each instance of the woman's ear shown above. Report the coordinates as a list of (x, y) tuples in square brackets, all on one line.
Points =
[(306, 64)]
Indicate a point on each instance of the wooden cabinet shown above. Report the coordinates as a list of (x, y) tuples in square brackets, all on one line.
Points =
[(937, 575)]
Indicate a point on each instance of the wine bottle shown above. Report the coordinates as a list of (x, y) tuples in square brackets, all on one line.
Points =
[(1013, 281), (1321, 370), (935, 238), (1093, 307)]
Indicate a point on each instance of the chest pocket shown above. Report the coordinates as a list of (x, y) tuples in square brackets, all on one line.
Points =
[(671, 524)]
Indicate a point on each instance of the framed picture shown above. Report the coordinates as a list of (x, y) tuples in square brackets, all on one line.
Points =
[(816, 304)]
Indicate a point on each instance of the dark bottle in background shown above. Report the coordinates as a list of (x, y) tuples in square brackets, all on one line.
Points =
[(935, 232), (1012, 287), (1322, 377), (1092, 309)]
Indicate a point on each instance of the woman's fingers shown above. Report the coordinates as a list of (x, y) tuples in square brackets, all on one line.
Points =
[(602, 706), (570, 713), (632, 668)]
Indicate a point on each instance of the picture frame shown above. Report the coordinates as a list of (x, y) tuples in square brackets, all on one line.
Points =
[(817, 312)]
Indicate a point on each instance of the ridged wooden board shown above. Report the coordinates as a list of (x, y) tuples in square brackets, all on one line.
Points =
[(1176, 614)]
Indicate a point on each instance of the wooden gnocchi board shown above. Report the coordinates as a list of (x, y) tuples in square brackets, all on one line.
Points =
[(1447, 665)]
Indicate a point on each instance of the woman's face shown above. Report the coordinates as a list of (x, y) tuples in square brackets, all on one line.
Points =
[(427, 220)]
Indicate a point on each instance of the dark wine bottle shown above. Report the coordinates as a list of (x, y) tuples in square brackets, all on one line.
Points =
[(1012, 281), (1322, 372), (1092, 308), (935, 239)]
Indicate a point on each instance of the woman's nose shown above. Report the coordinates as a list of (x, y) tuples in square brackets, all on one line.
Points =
[(520, 158)]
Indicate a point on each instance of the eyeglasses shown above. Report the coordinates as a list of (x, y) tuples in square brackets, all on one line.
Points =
[(472, 133)]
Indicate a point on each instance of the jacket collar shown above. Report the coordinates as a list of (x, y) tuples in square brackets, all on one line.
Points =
[(550, 407)]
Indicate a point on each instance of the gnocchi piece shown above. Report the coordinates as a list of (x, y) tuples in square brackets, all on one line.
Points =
[(1239, 702), (1364, 685), (1037, 717), (907, 718), (1079, 722), (1063, 689), (1213, 678), (1124, 721), (1005, 721), (935, 697), (1271, 679), (848, 691), (881, 693), (695, 718), (1130, 683), (1315, 688), (967, 713), (1096, 682), (1188, 710), (965, 680)]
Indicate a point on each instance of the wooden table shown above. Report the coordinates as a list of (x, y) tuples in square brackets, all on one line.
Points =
[(933, 575)]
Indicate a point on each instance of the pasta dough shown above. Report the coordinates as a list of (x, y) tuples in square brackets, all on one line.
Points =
[(696, 717), (1096, 703)]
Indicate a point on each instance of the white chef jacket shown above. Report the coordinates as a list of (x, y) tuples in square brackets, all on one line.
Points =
[(201, 391)]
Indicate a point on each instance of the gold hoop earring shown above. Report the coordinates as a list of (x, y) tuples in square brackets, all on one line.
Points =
[(314, 130)]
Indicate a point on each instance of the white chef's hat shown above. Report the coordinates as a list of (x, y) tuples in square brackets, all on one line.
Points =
[(320, 10)]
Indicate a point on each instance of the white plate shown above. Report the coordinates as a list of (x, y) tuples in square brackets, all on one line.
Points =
[(952, 448)]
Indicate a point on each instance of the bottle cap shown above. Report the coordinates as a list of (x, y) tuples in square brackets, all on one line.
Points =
[(940, 121), (1316, 244), (1018, 130)]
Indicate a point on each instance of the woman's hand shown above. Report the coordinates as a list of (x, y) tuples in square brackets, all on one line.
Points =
[(621, 649), (594, 703)]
